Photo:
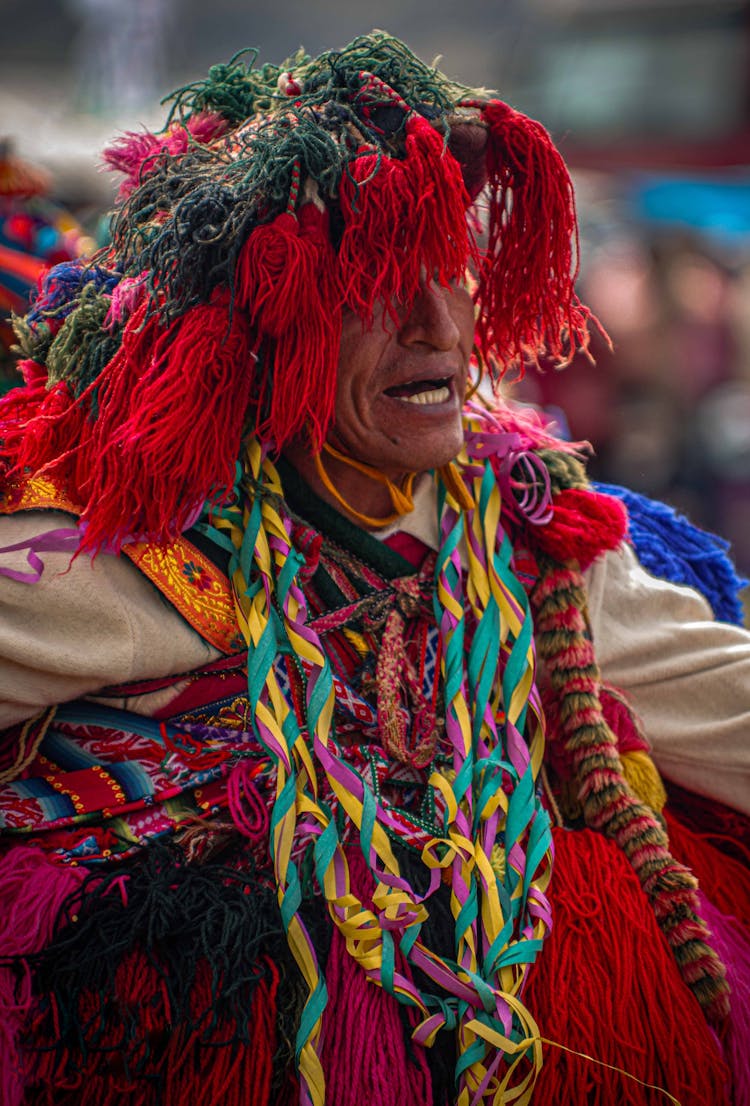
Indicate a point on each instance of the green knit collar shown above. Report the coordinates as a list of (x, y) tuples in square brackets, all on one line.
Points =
[(308, 506)]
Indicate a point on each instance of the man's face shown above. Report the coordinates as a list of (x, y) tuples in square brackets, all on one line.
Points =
[(401, 385)]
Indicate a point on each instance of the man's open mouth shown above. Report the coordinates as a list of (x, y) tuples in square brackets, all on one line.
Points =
[(425, 392)]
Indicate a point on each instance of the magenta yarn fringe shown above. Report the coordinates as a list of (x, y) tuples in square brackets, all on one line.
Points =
[(32, 890), (364, 1051), (731, 940)]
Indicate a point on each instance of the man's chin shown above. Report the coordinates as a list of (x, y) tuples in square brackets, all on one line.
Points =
[(423, 455)]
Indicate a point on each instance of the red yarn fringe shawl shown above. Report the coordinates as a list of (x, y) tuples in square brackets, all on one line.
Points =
[(526, 294), (199, 1067), (286, 280), (724, 882), (722, 826), (404, 218), (607, 985), (722, 877), (157, 432)]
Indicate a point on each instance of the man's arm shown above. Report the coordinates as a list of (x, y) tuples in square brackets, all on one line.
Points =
[(83, 626), (686, 675)]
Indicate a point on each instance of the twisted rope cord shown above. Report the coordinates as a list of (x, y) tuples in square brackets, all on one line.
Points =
[(609, 805)]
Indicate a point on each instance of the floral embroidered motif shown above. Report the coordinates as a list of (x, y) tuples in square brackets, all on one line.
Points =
[(193, 584), (195, 575)]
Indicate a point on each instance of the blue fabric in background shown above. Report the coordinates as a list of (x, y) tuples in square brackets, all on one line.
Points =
[(718, 206)]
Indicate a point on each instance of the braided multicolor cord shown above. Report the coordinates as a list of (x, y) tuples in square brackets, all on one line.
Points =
[(494, 727)]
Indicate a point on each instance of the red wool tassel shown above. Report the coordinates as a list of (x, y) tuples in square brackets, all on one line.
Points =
[(172, 405), (157, 433), (404, 218), (37, 424), (584, 525), (285, 281), (607, 985), (527, 275)]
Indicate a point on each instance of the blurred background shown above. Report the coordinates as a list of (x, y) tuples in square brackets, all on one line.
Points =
[(649, 102)]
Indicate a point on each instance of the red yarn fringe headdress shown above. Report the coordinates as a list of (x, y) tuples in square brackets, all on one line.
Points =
[(275, 199)]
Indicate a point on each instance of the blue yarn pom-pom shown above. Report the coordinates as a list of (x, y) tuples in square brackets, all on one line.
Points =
[(62, 284), (673, 548)]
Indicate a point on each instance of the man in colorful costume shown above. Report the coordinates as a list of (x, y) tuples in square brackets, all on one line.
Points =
[(287, 621)]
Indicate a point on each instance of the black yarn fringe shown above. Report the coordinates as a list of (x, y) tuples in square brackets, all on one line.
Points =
[(186, 922)]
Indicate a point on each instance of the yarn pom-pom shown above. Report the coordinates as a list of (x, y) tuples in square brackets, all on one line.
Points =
[(135, 154), (673, 548), (584, 525)]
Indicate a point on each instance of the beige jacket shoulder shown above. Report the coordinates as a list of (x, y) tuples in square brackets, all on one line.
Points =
[(686, 675), (83, 626)]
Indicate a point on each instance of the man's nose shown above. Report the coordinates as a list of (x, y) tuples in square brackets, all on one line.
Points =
[(430, 319)]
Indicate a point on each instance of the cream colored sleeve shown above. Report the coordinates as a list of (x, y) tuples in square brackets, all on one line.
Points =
[(82, 626), (686, 675)]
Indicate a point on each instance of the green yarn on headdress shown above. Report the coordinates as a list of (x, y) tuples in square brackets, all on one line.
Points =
[(238, 90), (235, 90)]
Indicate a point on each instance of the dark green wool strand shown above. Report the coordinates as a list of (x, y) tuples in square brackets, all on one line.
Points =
[(195, 249), (238, 90), (336, 74), (137, 224), (235, 90), (82, 346), (264, 161), (32, 341)]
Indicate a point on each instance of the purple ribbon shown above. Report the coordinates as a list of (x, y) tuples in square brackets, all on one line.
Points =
[(529, 496), (64, 540)]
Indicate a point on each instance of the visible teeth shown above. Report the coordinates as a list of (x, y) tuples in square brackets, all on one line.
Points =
[(435, 395)]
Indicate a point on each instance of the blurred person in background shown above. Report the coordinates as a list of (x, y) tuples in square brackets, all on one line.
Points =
[(351, 754), (35, 234)]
